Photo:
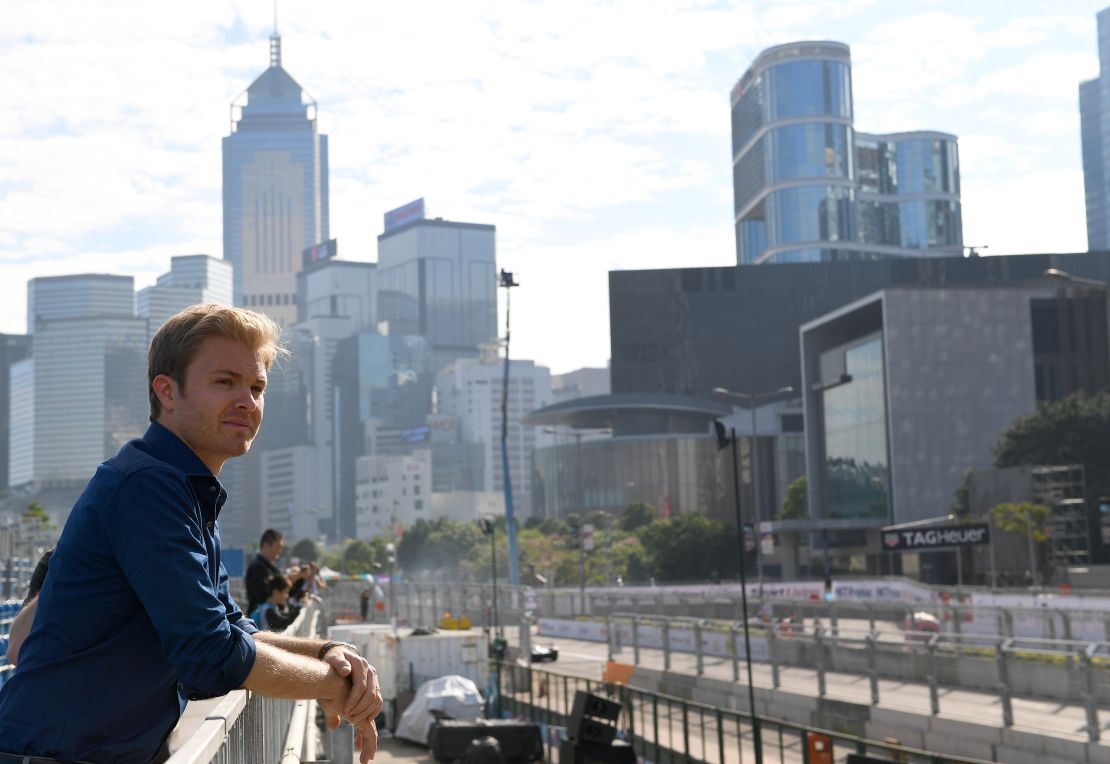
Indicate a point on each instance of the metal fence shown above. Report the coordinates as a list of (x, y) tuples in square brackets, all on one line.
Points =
[(425, 603), (665, 730), (244, 727), (1054, 669)]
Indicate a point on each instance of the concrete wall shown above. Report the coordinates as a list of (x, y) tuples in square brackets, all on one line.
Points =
[(959, 369)]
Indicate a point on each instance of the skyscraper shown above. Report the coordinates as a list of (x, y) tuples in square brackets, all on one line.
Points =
[(85, 382), (1094, 100), (437, 278), (807, 187), (192, 279), (275, 189)]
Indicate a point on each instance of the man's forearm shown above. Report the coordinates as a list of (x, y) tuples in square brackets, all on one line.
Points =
[(308, 647), (281, 673)]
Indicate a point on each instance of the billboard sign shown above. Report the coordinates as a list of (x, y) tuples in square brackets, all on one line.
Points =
[(913, 539), (406, 213), (317, 253)]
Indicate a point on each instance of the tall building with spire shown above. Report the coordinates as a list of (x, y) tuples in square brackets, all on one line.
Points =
[(275, 189)]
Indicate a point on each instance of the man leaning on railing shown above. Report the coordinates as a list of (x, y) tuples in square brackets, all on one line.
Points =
[(135, 616)]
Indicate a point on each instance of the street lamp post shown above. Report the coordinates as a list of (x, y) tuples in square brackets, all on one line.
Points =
[(752, 401), (507, 283), (724, 441)]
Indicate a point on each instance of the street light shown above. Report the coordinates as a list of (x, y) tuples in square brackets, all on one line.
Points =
[(723, 442), (752, 401), (507, 283), (1059, 275)]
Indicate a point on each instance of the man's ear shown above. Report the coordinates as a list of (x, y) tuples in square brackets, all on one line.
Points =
[(166, 390)]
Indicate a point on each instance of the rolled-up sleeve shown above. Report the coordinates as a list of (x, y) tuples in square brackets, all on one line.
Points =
[(160, 546)]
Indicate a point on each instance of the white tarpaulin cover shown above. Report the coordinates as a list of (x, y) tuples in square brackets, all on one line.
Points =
[(453, 697)]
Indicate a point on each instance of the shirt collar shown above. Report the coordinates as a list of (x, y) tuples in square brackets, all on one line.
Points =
[(172, 450)]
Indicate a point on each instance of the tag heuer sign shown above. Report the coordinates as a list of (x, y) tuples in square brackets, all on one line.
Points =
[(910, 539)]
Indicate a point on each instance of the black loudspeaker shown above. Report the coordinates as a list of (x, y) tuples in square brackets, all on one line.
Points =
[(519, 740), (593, 719), (617, 752)]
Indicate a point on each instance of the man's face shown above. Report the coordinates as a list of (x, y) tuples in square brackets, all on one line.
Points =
[(218, 411), (272, 550)]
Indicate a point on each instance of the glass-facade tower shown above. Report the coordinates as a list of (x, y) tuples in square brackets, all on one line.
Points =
[(1094, 98), (803, 189), (275, 190)]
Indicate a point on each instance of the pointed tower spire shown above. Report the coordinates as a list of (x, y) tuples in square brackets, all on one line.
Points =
[(275, 41)]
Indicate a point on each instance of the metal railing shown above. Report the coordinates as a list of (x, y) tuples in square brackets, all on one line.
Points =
[(1044, 668), (244, 727), (420, 603), (663, 729)]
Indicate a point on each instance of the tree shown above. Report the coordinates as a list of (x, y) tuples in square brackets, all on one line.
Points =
[(358, 558), (305, 550), (1069, 431), (796, 504), (690, 546), (1021, 519), (636, 516)]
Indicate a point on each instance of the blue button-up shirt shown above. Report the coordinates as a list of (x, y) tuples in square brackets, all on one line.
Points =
[(135, 609)]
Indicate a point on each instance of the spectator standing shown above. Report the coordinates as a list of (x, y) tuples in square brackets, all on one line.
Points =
[(262, 568)]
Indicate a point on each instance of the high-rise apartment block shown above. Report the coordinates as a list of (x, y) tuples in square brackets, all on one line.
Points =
[(275, 190), (191, 280), (807, 187), (437, 278), (14, 348), (1094, 120)]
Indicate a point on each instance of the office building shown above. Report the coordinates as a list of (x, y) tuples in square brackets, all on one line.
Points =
[(808, 188), (686, 331), (905, 390), (470, 390), (88, 379), (191, 280), (380, 384), (580, 383), (13, 349), (275, 190), (392, 492), (339, 288), (290, 490), (1094, 119), (437, 279)]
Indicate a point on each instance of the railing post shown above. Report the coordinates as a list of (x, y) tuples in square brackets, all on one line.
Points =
[(734, 652), (957, 617), (609, 636), (819, 647), (666, 644), (834, 620), (636, 639), (870, 615), (1008, 616), (873, 664), (1090, 692), (698, 648), (772, 642), (1004, 682), (1065, 619), (934, 695)]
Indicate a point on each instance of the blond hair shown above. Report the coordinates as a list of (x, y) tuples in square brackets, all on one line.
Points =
[(177, 342)]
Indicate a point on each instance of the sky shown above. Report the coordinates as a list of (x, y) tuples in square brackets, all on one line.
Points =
[(594, 134)]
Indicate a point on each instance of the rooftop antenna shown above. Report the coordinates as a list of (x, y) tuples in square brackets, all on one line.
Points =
[(275, 41)]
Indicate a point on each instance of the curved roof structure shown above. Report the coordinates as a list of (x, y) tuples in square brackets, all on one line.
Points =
[(628, 414)]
